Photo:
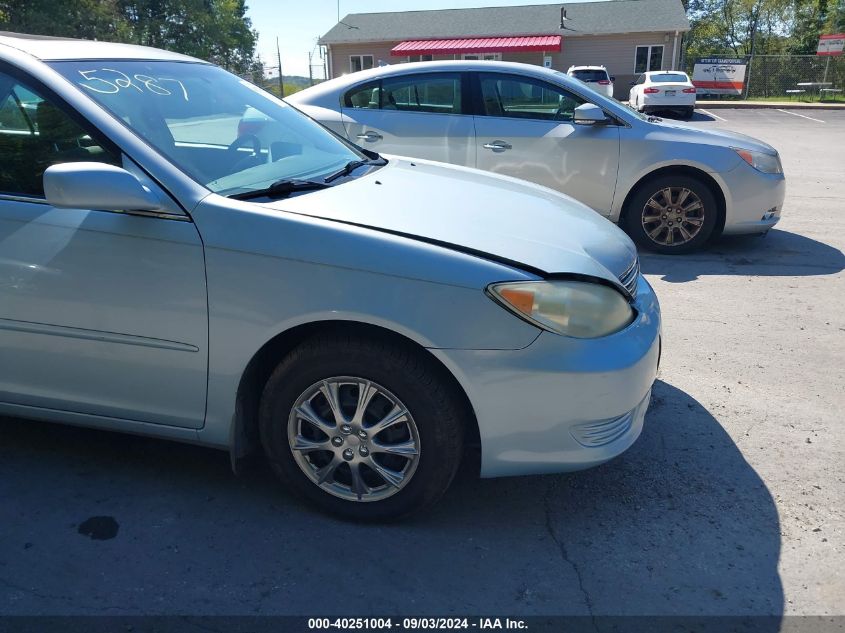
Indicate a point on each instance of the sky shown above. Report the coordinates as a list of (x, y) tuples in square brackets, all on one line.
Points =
[(299, 24)]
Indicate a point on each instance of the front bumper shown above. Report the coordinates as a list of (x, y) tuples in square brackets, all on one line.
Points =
[(561, 404), (754, 200)]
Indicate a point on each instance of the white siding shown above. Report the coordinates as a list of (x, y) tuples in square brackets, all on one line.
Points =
[(616, 52)]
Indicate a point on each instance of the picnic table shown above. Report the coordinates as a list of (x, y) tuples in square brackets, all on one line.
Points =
[(818, 85), (829, 92)]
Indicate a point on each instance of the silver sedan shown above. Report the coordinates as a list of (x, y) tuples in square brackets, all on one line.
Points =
[(170, 270), (672, 187)]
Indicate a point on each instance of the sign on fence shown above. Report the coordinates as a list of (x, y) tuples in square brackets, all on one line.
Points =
[(831, 44), (720, 76)]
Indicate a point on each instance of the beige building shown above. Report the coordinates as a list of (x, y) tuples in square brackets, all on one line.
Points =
[(628, 37)]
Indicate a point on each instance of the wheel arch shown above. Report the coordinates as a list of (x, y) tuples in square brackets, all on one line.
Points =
[(685, 170), (244, 437)]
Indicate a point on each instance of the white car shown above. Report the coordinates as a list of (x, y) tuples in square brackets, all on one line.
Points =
[(596, 77), (664, 90), (671, 186)]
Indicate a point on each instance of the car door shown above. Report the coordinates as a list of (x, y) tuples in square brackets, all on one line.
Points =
[(524, 128), (102, 314), (421, 115)]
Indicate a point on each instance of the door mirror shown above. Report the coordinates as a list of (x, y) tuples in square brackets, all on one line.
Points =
[(589, 114), (633, 83), (97, 186), (612, 78)]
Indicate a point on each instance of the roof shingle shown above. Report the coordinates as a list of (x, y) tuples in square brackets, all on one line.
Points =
[(584, 18)]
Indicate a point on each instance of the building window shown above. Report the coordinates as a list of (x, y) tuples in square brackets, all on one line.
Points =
[(648, 58), (360, 62), (419, 58), (487, 57)]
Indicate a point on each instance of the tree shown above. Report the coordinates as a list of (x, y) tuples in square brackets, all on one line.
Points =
[(214, 30), (738, 27), (836, 18)]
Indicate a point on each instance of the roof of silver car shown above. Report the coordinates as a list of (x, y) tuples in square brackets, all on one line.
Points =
[(49, 48)]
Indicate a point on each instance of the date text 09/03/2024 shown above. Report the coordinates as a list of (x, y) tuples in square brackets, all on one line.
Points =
[(435, 624)]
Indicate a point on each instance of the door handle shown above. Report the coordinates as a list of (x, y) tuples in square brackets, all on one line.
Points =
[(370, 137), (497, 146)]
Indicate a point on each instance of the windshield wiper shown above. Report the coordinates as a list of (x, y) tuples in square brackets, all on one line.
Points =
[(281, 189), (352, 166)]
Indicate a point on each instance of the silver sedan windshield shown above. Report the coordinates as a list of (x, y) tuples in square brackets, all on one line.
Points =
[(226, 133)]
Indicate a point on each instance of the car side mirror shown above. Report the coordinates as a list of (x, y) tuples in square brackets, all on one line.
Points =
[(97, 186), (612, 78), (633, 83), (589, 114)]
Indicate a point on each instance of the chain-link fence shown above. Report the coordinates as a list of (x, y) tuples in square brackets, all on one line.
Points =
[(775, 75), (781, 76)]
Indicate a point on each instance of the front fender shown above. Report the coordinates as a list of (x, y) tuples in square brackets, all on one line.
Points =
[(639, 159), (269, 272)]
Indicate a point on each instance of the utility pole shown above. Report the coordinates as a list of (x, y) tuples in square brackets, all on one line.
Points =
[(310, 70), (281, 83)]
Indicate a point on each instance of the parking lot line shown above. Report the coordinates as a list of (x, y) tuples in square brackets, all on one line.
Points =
[(801, 115), (708, 113)]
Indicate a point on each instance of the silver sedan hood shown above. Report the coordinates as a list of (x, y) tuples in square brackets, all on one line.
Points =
[(723, 138), (495, 216)]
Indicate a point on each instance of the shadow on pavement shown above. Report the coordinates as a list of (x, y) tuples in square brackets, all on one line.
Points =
[(698, 115), (778, 254), (679, 525)]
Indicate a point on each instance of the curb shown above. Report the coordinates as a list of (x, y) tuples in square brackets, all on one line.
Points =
[(766, 105)]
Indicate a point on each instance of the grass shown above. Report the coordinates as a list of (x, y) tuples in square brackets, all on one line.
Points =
[(802, 98)]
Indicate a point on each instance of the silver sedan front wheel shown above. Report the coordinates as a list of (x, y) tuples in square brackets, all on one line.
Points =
[(673, 216), (354, 439)]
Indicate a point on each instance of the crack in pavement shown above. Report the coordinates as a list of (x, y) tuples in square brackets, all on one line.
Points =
[(564, 553), (48, 596), (33, 592)]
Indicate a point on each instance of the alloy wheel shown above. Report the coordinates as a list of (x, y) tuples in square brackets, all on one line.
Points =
[(673, 216), (354, 438)]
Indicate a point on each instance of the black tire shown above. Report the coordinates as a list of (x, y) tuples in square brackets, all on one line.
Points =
[(416, 381), (636, 208)]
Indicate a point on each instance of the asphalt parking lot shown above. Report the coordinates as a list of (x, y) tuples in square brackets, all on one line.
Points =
[(730, 503)]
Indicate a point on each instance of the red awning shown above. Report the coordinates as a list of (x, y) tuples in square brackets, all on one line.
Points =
[(478, 45)]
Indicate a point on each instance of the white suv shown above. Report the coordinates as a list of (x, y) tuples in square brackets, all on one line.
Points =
[(596, 77)]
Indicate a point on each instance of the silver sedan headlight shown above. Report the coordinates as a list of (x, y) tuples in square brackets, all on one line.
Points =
[(767, 163), (572, 308)]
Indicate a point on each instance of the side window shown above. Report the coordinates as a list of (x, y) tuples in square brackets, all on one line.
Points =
[(35, 133), (523, 98), (366, 97), (439, 93)]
